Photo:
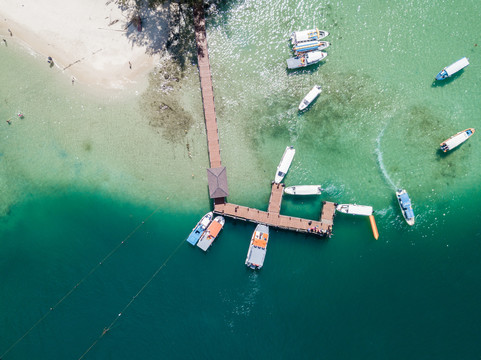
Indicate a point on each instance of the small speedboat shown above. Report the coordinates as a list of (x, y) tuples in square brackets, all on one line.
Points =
[(310, 58), (285, 163), (310, 97), (457, 139), (199, 229), (303, 190), (211, 233), (452, 69), (307, 35), (405, 205), (354, 209), (310, 46), (258, 247)]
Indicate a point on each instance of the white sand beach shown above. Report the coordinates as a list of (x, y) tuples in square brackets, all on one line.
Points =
[(92, 42)]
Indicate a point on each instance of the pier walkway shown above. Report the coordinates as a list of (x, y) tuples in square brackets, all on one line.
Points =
[(206, 87), (217, 175)]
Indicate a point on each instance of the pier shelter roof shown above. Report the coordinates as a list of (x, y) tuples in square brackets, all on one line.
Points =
[(217, 179)]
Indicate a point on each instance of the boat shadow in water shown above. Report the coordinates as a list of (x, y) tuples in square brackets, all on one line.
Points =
[(449, 80)]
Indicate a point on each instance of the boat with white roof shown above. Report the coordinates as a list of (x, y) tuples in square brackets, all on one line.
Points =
[(457, 139), (307, 35), (309, 58), (211, 233), (310, 97), (405, 205), (258, 247), (303, 190), (285, 163), (199, 229), (452, 69), (354, 209)]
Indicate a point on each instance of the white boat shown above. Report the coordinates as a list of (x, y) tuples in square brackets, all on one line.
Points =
[(199, 229), (354, 209), (457, 139), (307, 35), (285, 163), (310, 58), (310, 46), (452, 69), (258, 247), (211, 233), (405, 205), (310, 97), (303, 190)]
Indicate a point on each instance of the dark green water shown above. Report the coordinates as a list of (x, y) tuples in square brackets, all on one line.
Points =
[(74, 187)]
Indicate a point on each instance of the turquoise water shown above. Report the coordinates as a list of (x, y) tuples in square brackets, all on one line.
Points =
[(82, 173)]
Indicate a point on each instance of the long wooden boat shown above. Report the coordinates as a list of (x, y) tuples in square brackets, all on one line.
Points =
[(456, 139)]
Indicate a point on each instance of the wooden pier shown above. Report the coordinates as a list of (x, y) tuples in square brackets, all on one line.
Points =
[(206, 87), (217, 175), (322, 227)]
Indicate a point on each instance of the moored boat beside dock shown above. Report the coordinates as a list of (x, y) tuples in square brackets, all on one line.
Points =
[(258, 247), (456, 139), (211, 233), (285, 163), (303, 190), (354, 209), (199, 229)]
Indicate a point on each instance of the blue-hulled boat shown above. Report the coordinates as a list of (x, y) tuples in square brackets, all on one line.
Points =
[(310, 46), (406, 207), (452, 69), (199, 229)]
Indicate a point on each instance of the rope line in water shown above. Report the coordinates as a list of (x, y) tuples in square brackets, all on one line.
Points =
[(108, 328), (80, 282)]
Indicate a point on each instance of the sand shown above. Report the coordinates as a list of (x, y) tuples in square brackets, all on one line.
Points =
[(93, 42)]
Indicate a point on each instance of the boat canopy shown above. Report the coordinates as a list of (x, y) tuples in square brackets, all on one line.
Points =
[(409, 213), (458, 65), (406, 201), (306, 35), (458, 139)]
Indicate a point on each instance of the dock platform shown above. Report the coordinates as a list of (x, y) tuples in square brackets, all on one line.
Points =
[(322, 227)]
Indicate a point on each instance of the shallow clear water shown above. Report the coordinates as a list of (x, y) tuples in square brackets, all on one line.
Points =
[(80, 172)]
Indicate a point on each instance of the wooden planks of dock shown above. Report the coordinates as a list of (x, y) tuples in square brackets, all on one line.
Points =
[(322, 227), (212, 131)]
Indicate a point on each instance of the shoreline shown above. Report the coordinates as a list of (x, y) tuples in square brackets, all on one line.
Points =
[(92, 43)]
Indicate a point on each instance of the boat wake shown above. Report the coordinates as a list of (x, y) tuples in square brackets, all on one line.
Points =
[(381, 162)]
